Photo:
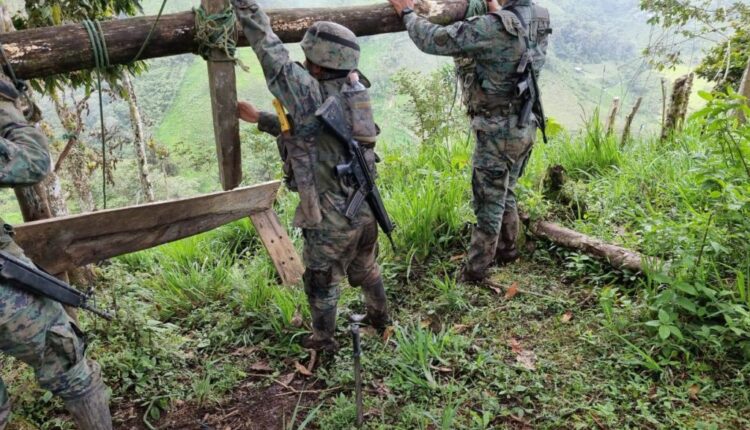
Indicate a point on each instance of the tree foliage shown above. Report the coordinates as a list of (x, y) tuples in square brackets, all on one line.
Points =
[(726, 24), (44, 13)]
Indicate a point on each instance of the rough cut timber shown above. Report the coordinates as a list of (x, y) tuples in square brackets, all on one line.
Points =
[(280, 248), (60, 244), (48, 51), (222, 83)]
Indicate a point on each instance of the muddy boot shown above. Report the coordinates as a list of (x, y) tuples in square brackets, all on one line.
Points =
[(507, 252), (324, 327), (377, 305), (481, 253), (91, 410), (4, 414)]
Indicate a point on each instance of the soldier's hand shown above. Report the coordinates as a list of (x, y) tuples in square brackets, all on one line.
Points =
[(242, 4), (247, 112), (400, 5)]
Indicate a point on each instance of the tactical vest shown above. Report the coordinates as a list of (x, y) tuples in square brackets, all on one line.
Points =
[(310, 163), (492, 92)]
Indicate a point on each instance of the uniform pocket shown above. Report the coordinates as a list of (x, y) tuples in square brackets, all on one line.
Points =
[(66, 340)]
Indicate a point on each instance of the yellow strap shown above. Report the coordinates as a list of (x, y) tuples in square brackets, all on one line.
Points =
[(283, 120)]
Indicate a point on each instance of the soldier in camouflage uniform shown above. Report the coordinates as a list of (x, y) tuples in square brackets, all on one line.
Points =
[(34, 329), (334, 246), (488, 50)]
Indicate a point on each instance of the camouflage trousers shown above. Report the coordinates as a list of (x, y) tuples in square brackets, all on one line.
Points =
[(331, 255), (38, 332), (502, 151)]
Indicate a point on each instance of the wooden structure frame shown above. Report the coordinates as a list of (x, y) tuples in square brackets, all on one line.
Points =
[(61, 244)]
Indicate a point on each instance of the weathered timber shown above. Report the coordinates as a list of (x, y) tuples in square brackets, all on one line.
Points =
[(222, 84), (617, 256), (60, 244), (612, 118), (48, 51), (279, 246)]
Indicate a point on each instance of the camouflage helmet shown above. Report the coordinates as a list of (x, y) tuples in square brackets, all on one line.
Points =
[(331, 45)]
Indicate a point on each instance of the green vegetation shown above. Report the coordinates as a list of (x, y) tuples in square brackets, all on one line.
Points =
[(568, 343), (204, 329)]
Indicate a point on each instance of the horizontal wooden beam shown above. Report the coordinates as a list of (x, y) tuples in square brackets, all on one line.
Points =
[(61, 244), (49, 51)]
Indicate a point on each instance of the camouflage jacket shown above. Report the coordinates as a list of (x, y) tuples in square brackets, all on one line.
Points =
[(487, 50), (302, 94), (24, 157)]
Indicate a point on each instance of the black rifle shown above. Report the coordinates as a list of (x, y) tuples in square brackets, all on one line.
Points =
[(528, 87), (32, 280), (356, 170)]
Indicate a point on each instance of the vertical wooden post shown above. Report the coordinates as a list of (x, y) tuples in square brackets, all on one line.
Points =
[(223, 89), (612, 119), (629, 122)]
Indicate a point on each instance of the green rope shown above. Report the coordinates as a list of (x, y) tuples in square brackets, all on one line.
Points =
[(101, 61), (150, 33), (217, 31), (476, 8)]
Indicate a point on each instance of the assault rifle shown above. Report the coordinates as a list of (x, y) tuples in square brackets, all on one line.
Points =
[(32, 280), (528, 88), (356, 171)]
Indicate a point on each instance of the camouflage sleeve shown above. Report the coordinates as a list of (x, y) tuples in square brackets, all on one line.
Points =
[(269, 123), (24, 157), (461, 38), (288, 81)]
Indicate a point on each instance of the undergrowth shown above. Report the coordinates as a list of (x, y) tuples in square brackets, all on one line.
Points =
[(579, 345)]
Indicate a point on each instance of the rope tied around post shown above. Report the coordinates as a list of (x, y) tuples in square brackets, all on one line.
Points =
[(217, 31), (101, 60)]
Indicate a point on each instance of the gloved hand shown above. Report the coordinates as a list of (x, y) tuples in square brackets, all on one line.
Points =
[(244, 4)]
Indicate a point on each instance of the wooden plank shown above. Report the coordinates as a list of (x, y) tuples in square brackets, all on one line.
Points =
[(60, 244), (222, 84), (47, 51), (279, 246)]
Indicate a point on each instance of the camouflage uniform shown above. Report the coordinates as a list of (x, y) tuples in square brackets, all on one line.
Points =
[(334, 246), (488, 50), (33, 329)]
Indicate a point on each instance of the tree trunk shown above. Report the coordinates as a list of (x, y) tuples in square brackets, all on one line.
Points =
[(745, 90), (139, 139), (55, 196), (629, 122), (48, 51), (678, 108)]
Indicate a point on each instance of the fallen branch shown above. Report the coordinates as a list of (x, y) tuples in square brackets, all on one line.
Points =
[(617, 256)]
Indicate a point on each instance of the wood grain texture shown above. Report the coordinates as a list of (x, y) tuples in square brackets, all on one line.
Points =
[(222, 83), (279, 246), (60, 244), (51, 50)]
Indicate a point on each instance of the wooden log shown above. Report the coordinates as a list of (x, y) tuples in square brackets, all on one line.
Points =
[(618, 257), (222, 84), (279, 246), (63, 243), (678, 107), (612, 118), (629, 122), (48, 51)]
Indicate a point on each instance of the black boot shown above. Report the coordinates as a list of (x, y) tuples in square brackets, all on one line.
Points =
[(481, 253), (324, 327), (377, 305), (507, 252), (91, 410)]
